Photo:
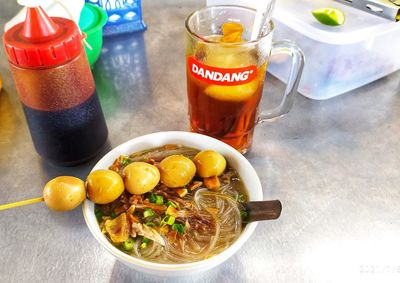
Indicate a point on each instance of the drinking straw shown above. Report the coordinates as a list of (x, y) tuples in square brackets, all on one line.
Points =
[(264, 15)]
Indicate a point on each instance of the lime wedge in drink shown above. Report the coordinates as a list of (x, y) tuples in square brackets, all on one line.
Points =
[(329, 16)]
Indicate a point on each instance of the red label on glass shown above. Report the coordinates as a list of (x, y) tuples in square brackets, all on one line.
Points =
[(221, 76)]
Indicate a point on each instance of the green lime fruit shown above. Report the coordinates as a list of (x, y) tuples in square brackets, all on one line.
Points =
[(329, 16)]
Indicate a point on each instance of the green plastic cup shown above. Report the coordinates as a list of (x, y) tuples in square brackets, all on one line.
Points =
[(91, 22)]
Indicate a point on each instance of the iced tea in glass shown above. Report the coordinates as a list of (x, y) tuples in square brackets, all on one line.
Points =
[(226, 71)]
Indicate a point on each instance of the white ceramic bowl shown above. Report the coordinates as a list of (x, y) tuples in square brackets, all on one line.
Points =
[(234, 158)]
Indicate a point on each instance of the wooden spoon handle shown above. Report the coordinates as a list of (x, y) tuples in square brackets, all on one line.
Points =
[(262, 210)]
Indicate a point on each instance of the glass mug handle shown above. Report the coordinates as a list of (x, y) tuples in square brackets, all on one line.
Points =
[(296, 69)]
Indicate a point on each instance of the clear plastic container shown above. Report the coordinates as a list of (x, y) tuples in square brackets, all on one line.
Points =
[(56, 88), (123, 15), (338, 59)]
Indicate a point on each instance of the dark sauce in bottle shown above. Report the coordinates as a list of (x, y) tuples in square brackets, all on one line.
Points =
[(63, 111), (68, 136)]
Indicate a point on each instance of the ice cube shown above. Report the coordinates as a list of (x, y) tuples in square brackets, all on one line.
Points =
[(217, 54), (223, 56)]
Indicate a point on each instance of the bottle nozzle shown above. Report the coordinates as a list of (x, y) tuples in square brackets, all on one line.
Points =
[(38, 24)]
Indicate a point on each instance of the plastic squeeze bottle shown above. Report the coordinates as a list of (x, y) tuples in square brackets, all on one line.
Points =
[(56, 88)]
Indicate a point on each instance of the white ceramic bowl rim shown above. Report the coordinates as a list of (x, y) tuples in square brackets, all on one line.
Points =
[(198, 141)]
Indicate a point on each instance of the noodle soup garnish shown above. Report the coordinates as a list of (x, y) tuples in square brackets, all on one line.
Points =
[(192, 213)]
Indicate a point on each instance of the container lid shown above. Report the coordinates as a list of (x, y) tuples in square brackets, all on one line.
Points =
[(92, 18), (358, 25), (42, 41)]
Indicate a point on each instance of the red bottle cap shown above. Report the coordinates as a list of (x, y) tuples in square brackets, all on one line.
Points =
[(42, 41)]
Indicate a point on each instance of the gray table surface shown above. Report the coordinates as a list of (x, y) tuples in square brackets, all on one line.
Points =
[(334, 165)]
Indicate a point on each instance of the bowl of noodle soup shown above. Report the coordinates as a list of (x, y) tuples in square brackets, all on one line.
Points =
[(236, 161)]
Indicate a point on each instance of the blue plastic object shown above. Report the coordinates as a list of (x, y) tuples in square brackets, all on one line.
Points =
[(123, 15)]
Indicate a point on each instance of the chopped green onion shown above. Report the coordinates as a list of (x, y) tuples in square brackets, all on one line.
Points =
[(125, 162), (153, 198), (128, 244), (168, 219), (99, 215), (244, 214), (171, 220), (113, 214), (178, 227), (159, 200), (150, 224), (148, 212), (164, 220), (171, 203), (240, 198), (145, 242)]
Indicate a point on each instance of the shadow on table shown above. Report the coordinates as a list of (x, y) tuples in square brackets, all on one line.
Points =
[(81, 171), (226, 273), (121, 74), (72, 220)]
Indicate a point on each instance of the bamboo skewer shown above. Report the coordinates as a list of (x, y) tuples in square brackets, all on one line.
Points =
[(21, 203)]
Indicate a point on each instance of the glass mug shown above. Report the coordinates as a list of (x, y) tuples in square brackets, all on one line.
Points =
[(225, 80)]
